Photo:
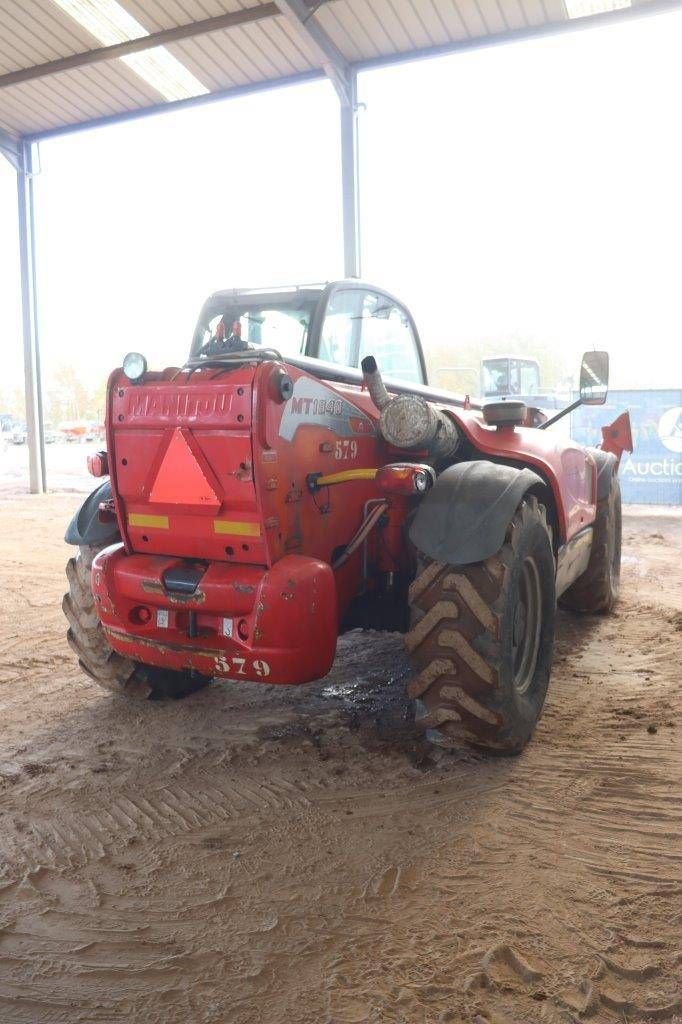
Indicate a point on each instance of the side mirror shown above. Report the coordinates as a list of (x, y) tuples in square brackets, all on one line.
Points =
[(594, 378)]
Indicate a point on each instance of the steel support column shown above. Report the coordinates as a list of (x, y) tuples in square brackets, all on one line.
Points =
[(350, 183), (34, 410), (343, 77)]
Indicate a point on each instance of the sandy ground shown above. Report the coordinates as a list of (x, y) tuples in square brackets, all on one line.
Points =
[(262, 855)]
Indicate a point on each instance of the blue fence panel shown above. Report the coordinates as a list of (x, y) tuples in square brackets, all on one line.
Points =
[(652, 475)]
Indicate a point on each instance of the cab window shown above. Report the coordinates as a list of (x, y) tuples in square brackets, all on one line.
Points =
[(386, 333), (341, 327), (530, 379), (284, 329)]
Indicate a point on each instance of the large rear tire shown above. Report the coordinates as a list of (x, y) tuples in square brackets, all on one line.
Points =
[(110, 670), (482, 638), (596, 591)]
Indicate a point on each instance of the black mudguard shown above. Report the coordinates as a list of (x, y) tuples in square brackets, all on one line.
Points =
[(464, 517), (86, 528), (607, 465)]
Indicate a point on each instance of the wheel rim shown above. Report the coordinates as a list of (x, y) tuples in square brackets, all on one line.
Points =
[(526, 626)]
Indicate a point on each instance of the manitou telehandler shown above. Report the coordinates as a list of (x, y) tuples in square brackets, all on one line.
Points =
[(278, 490)]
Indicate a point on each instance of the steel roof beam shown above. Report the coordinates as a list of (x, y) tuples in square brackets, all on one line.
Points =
[(162, 38), (327, 53)]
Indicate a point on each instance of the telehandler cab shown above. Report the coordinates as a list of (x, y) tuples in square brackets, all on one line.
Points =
[(278, 490)]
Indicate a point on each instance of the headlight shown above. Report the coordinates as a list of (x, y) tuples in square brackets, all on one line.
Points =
[(134, 366)]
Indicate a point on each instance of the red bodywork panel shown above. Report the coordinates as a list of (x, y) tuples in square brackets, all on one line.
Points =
[(197, 432), (213, 466), (570, 470), (277, 626)]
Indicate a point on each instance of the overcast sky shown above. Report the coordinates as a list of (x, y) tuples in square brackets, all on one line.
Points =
[(530, 190)]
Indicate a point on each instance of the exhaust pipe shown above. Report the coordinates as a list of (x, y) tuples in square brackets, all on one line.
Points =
[(409, 421), (373, 382)]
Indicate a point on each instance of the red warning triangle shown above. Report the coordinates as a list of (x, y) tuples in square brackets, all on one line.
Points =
[(180, 479)]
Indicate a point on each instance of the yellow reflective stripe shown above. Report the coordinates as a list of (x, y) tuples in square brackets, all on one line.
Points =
[(344, 476), (241, 529), (139, 519)]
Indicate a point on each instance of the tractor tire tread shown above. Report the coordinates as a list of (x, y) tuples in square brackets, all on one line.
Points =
[(454, 643), (86, 638)]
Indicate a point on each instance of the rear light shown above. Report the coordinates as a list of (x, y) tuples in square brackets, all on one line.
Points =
[(98, 464), (140, 614), (405, 478)]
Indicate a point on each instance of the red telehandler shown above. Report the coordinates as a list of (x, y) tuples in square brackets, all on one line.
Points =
[(278, 490)]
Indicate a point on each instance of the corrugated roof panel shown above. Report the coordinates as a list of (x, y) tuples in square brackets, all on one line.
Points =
[(534, 12), (407, 15), (15, 107), (73, 97), (29, 48), (46, 17), (237, 54), (341, 24), (423, 23), (294, 42), (255, 52), (368, 15), (291, 55), (103, 99), (197, 10), (393, 27), (20, 117), (52, 105), (33, 32), (37, 31), (204, 53), (367, 29), (492, 16), (241, 55), (225, 57), (556, 10), (514, 14), (156, 15), (472, 19), (194, 59), (247, 40), (284, 57), (452, 19), (437, 27), (117, 80)]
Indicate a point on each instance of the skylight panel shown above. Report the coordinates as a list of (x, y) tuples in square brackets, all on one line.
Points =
[(110, 23), (585, 8)]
